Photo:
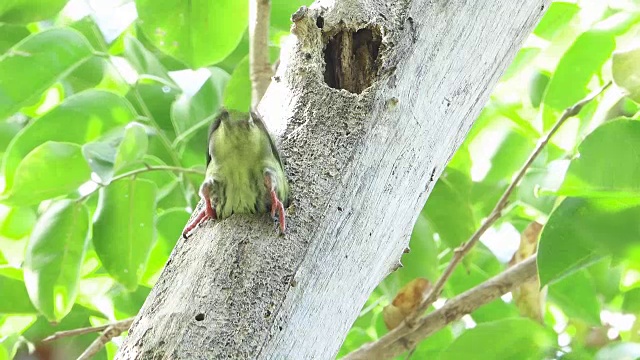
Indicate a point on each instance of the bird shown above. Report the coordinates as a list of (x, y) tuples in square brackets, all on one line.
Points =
[(245, 173)]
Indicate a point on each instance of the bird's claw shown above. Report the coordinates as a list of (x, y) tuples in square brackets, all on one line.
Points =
[(207, 213), (277, 206)]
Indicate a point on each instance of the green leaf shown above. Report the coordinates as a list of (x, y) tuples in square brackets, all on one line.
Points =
[(74, 345), (631, 302), (619, 351), (609, 163), (534, 187), (606, 276), (200, 33), (189, 110), (152, 97), (16, 222), (449, 209), (480, 265), (170, 224), (124, 228), (581, 231), (556, 18), (281, 11), (522, 59), (128, 303), (237, 94), (626, 71), (432, 346), (53, 258), (576, 296), (233, 60), (26, 11), (52, 169), (143, 60), (582, 61), (101, 157), (11, 35), (133, 146), (86, 116), (91, 73), (49, 56), (503, 339), (15, 299), (539, 82), (422, 260)]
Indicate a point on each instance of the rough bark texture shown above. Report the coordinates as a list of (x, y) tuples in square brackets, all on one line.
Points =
[(361, 163)]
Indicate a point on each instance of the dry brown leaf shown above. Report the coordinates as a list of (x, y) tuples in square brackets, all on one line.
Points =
[(528, 297), (405, 302)]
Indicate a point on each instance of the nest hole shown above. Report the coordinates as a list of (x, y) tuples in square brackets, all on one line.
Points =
[(351, 59)]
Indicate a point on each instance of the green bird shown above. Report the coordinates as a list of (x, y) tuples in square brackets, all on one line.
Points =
[(244, 173)]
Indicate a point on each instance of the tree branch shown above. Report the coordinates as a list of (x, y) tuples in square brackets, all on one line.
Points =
[(496, 213), (109, 333), (453, 310), (85, 330), (409, 324), (259, 66)]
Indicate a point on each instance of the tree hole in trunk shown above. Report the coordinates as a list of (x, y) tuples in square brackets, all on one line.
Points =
[(351, 59)]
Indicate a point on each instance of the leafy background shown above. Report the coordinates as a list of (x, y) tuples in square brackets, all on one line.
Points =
[(102, 126)]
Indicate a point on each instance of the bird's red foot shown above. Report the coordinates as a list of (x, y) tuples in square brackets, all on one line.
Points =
[(276, 204), (207, 213)]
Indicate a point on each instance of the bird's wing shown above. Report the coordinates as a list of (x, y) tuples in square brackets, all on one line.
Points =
[(214, 126), (257, 119)]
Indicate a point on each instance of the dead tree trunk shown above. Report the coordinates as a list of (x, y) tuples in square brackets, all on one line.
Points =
[(374, 97)]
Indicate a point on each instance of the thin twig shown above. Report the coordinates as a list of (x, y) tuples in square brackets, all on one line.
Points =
[(259, 67), (411, 322), (452, 310), (147, 168), (86, 330), (109, 333)]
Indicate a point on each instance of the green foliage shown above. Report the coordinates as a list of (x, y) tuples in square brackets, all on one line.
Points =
[(102, 143), (504, 339), (102, 148), (54, 256), (197, 32), (583, 188)]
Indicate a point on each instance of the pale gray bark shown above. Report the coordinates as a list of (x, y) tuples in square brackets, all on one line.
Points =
[(361, 167)]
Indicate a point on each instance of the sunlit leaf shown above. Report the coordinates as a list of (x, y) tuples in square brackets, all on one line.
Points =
[(200, 33), (52, 169), (133, 146), (86, 116), (16, 222), (626, 71), (557, 17), (582, 61), (15, 299), (188, 110), (576, 296), (503, 339), (449, 211), (143, 60), (581, 231), (26, 11), (124, 228), (609, 163), (11, 35), (49, 56), (54, 256), (170, 224), (619, 351)]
